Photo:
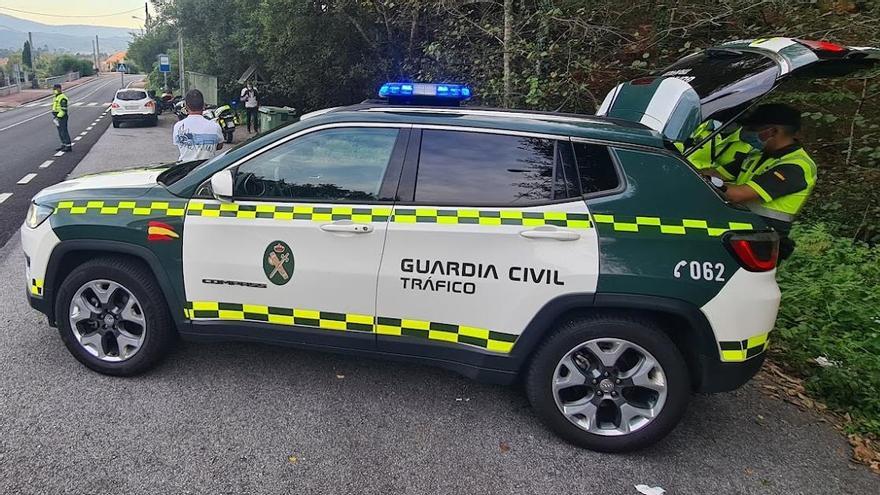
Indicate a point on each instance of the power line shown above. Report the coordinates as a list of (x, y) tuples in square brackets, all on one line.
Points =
[(65, 16)]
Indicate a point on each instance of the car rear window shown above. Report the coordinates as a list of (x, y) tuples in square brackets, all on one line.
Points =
[(712, 70), (131, 95), (468, 168)]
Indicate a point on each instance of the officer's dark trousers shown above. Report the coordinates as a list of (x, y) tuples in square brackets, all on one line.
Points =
[(252, 116), (62, 131)]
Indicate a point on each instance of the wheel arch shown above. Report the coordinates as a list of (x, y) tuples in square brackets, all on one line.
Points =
[(69, 254), (681, 321)]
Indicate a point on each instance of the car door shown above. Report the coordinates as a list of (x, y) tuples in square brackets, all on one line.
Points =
[(295, 255), (488, 229)]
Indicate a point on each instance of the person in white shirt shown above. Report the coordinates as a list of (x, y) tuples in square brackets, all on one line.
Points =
[(251, 103), (196, 137)]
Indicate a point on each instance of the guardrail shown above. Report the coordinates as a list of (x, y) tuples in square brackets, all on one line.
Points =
[(51, 81), (9, 90)]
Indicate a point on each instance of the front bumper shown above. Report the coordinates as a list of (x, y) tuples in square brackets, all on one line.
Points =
[(38, 245)]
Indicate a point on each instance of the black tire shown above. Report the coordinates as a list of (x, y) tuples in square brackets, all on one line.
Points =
[(154, 121), (115, 124), (643, 333), (159, 333)]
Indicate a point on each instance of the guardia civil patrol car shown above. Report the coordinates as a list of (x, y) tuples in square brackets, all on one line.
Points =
[(505, 245)]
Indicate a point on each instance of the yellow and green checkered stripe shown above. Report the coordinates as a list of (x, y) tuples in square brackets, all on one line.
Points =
[(448, 216), (37, 286), (532, 218), (741, 350), (288, 212), (139, 208), (644, 224), (348, 322)]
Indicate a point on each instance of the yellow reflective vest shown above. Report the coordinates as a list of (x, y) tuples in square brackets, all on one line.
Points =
[(59, 106)]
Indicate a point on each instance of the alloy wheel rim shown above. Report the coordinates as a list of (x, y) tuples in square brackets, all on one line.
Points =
[(609, 386), (107, 320)]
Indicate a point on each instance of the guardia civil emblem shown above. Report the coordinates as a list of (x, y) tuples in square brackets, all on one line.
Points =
[(278, 262)]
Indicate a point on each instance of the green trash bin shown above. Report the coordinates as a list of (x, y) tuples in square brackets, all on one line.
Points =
[(274, 117)]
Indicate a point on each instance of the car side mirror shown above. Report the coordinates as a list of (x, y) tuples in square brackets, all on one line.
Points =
[(221, 185)]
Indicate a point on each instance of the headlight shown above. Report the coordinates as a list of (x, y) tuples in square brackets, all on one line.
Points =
[(37, 214)]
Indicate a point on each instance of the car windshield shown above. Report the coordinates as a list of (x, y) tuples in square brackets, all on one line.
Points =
[(131, 95)]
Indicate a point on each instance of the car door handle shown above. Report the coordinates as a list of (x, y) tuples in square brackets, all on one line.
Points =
[(347, 226), (550, 233)]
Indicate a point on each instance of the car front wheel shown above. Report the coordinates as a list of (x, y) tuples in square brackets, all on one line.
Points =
[(609, 383), (112, 317)]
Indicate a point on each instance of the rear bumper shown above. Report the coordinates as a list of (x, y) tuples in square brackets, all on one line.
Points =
[(718, 376), (134, 116)]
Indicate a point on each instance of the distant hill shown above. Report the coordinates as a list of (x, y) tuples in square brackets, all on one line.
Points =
[(73, 38)]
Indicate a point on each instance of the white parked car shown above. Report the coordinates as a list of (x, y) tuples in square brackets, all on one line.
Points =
[(133, 105)]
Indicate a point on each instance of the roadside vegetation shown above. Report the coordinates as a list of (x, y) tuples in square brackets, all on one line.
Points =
[(565, 55)]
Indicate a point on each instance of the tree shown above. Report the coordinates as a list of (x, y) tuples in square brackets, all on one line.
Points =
[(26, 55)]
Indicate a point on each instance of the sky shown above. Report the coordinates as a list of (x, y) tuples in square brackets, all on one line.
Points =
[(72, 11)]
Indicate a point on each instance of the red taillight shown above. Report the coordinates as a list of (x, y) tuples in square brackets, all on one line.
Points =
[(114, 105), (755, 251), (149, 104), (823, 46)]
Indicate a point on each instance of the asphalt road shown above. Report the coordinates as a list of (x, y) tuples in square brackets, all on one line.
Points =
[(28, 139), (239, 418)]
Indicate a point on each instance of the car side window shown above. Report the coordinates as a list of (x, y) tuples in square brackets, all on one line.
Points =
[(595, 168), (345, 164), (470, 168)]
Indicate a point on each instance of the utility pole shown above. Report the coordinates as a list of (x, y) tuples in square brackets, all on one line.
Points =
[(95, 56), (31, 61), (146, 18), (98, 53), (180, 62)]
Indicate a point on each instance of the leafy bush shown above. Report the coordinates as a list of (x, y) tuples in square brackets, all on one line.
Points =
[(63, 64), (831, 308)]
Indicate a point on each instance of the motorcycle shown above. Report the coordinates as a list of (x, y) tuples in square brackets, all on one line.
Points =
[(167, 101), (180, 110), (226, 118)]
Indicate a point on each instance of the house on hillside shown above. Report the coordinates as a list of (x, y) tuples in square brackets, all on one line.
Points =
[(111, 61)]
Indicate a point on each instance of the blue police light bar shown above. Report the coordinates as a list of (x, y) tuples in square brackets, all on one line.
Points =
[(425, 91)]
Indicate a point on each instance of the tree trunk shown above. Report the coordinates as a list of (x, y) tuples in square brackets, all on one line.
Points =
[(508, 39)]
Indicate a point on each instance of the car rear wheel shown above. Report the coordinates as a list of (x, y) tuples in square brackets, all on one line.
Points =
[(609, 383), (112, 317), (115, 124)]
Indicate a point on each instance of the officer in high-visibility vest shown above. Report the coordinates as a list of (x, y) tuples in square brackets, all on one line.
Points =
[(776, 179), (60, 117)]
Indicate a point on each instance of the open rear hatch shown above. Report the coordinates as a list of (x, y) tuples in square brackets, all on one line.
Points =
[(721, 82)]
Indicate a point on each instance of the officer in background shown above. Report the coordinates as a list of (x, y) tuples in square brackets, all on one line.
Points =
[(776, 179), (59, 118), (723, 149)]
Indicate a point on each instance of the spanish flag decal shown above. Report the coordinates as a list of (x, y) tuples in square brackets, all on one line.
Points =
[(158, 231)]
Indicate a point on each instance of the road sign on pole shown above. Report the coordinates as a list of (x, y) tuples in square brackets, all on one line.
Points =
[(121, 68), (164, 63)]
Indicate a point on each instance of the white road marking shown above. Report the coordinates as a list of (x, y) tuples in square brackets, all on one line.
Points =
[(29, 105), (59, 153), (46, 105), (27, 178), (83, 133), (46, 164), (4, 197), (10, 126), (92, 104), (77, 138), (78, 104), (89, 128)]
